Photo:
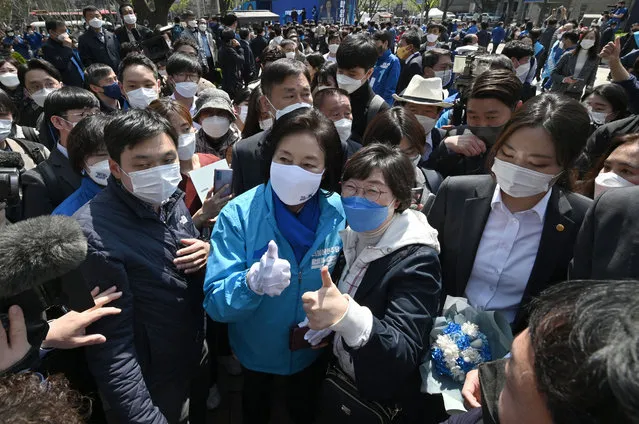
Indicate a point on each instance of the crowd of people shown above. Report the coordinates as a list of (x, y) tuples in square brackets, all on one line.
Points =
[(376, 170)]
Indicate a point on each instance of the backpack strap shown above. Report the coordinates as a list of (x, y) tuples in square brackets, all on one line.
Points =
[(30, 134), (373, 108), (32, 148)]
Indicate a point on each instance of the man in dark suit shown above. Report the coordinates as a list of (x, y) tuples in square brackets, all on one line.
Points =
[(259, 43), (460, 214), (284, 82), (48, 184), (607, 246), (411, 59), (97, 45), (59, 52), (131, 31)]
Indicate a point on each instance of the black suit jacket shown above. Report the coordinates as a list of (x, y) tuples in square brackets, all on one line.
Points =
[(40, 198), (60, 56), (247, 163), (459, 214), (140, 33), (607, 246), (92, 50)]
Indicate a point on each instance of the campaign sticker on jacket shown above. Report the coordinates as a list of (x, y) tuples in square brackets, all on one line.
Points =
[(325, 257)]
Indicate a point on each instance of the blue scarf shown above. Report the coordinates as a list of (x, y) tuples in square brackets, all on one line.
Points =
[(298, 230)]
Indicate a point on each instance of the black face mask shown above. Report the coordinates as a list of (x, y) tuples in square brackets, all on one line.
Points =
[(488, 135)]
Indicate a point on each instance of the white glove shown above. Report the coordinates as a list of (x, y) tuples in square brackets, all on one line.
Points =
[(270, 275), (314, 337)]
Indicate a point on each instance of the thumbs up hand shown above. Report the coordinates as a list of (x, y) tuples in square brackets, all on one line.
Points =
[(271, 275), (612, 50), (325, 306)]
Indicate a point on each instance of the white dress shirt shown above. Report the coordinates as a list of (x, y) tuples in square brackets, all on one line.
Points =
[(505, 256)]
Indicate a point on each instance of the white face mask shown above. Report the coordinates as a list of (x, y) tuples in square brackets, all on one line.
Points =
[(216, 126), (415, 160), (292, 184), (192, 24), (96, 23), (130, 19), (343, 127), (243, 113), (202, 27), (5, 128), (290, 55), (141, 97), (522, 71), (607, 180), (333, 48), (41, 95), (266, 124), (587, 44), (445, 76), (186, 146), (99, 172), (155, 185), (427, 122), (561, 45), (432, 38), (186, 89), (9, 80), (598, 118), (517, 181), (347, 83), (288, 109)]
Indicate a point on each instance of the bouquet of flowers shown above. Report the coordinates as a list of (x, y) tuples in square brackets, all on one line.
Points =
[(462, 339)]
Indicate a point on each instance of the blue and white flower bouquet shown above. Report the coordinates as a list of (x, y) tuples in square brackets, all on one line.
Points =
[(461, 339)]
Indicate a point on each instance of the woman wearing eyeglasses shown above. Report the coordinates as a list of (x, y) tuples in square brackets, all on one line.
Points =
[(387, 284)]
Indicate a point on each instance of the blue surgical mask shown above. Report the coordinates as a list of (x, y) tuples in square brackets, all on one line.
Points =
[(363, 215), (636, 35), (112, 90)]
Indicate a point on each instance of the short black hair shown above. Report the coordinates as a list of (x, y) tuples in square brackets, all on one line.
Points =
[(188, 13), (128, 129), (431, 57), (383, 36), (484, 25), (53, 24), (499, 84), (129, 47), (66, 98), (517, 49), (96, 72), (39, 64), (573, 36), (412, 38), (7, 105), (392, 126), (552, 21), (316, 60), (396, 167), (357, 51), (229, 19), (244, 33), (589, 326), (469, 39), (123, 5), (308, 120), (320, 96), (183, 41), (564, 119), (86, 139), (136, 59), (496, 61), (276, 72), (89, 9), (227, 35), (180, 62)]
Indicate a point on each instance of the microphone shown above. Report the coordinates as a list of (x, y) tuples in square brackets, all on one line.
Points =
[(38, 250), (11, 160)]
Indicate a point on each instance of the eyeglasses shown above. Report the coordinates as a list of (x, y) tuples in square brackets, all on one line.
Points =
[(186, 77), (371, 193)]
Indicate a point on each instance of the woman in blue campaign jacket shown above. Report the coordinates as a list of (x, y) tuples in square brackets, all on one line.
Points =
[(268, 247)]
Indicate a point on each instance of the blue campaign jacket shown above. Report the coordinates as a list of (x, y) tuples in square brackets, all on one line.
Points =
[(87, 191), (259, 325), (385, 76)]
